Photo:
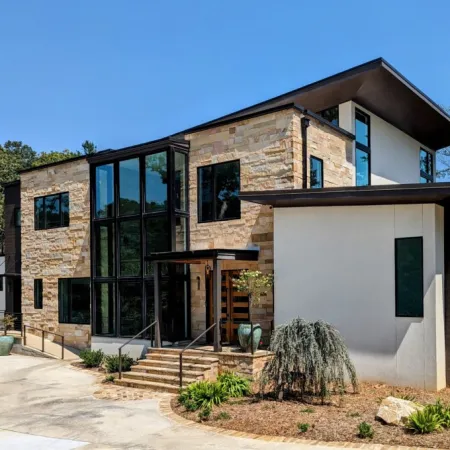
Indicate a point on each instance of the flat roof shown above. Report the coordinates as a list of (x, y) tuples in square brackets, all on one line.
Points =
[(392, 194), (200, 256)]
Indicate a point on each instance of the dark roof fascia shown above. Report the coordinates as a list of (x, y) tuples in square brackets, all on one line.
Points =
[(134, 150), (57, 163), (205, 255), (438, 193), (291, 105)]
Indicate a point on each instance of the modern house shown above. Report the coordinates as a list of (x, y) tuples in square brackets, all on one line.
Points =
[(331, 187)]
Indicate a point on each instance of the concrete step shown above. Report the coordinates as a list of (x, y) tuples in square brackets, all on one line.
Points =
[(174, 364), (155, 378), (190, 374), (177, 351), (158, 387), (188, 358)]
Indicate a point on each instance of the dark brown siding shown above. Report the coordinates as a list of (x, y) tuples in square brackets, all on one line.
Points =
[(12, 232)]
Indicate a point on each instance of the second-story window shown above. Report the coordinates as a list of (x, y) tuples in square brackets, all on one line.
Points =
[(331, 114), (51, 211), (316, 172), (362, 153), (218, 192), (426, 167)]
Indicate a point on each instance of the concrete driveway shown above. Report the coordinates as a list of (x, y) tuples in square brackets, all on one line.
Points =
[(45, 404)]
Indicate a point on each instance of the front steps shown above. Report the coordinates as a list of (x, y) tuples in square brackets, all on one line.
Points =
[(160, 370)]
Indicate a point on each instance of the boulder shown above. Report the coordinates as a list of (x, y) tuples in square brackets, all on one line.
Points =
[(395, 411)]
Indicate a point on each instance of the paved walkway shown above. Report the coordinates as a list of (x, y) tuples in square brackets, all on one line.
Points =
[(45, 404)]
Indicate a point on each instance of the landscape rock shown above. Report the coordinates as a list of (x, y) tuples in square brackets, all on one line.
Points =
[(395, 411)]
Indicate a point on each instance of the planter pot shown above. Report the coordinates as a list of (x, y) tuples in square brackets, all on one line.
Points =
[(6, 344), (245, 341)]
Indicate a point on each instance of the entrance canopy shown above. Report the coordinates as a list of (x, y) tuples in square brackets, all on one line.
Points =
[(201, 257)]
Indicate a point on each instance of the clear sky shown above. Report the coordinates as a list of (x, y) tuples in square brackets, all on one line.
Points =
[(125, 72)]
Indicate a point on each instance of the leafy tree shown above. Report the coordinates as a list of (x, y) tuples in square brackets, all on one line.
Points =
[(89, 147), (54, 156), (443, 158)]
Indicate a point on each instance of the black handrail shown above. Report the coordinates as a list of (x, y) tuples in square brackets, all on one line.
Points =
[(157, 342), (190, 345), (43, 334)]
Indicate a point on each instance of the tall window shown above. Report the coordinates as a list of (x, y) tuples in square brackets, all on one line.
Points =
[(38, 294), (129, 182), (331, 114), (409, 277), (316, 172), (51, 211), (74, 300), (426, 167), (362, 125), (218, 192), (104, 191), (156, 182)]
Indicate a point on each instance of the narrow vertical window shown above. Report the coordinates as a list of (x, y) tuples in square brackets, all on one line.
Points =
[(17, 218), (156, 182), (426, 167), (38, 294), (180, 181), (129, 186), (104, 191), (362, 155), (409, 277), (316, 172)]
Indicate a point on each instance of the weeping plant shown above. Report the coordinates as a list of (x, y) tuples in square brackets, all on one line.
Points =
[(310, 358)]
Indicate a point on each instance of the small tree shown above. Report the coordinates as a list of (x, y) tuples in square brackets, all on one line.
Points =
[(8, 322), (255, 284)]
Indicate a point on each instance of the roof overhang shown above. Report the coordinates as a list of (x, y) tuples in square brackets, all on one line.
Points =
[(394, 194), (375, 85), (202, 256)]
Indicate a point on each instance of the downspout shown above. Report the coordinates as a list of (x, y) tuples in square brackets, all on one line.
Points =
[(304, 130)]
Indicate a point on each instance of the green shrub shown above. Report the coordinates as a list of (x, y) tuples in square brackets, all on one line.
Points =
[(307, 410), (205, 413), (223, 415), (425, 421), (92, 358), (303, 427), (365, 430), (353, 414), (112, 363), (234, 385), (202, 394), (109, 379)]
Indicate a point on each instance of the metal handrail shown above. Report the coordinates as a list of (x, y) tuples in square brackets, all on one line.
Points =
[(43, 334), (190, 345), (157, 342)]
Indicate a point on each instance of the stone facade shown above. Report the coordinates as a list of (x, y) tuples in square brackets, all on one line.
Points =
[(58, 252), (269, 148)]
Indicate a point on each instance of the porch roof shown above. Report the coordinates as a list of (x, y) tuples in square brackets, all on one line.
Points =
[(201, 256), (392, 194)]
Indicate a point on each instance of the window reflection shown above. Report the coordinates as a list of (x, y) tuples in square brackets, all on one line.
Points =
[(130, 247), (129, 201), (104, 191), (362, 168), (156, 182)]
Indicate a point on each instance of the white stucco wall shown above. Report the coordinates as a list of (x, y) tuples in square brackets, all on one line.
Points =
[(394, 154), (2, 292), (337, 264)]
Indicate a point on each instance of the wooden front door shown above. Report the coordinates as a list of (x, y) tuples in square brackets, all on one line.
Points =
[(234, 306)]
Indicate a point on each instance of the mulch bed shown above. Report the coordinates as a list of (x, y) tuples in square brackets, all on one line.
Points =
[(337, 421)]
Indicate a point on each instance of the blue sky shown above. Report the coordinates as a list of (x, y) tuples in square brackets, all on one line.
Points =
[(121, 73)]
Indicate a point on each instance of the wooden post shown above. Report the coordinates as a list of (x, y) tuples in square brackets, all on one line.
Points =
[(157, 299), (217, 302)]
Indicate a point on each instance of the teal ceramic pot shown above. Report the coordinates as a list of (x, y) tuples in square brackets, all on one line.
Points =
[(6, 344), (244, 332)]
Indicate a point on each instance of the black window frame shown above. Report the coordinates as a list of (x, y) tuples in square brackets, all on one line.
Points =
[(430, 160), (214, 197), (310, 172), (364, 148), (62, 224), (60, 316), (397, 299), (38, 293), (324, 113)]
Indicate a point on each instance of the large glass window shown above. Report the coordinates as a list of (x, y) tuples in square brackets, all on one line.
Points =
[(51, 211), (74, 300), (331, 114), (316, 172), (219, 187), (130, 247), (180, 181), (130, 308), (104, 249), (104, 191), (129, 182), (409, 277), (426, 167), (156, 182), (38, 294), (362, 154), (105, 309)]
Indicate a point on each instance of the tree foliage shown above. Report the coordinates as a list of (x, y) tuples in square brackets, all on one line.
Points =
[(310, 358), (443, 158)]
